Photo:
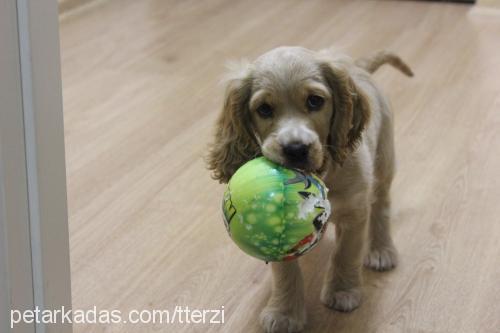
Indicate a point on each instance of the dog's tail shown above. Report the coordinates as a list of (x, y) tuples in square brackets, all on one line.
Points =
[(372, 63)]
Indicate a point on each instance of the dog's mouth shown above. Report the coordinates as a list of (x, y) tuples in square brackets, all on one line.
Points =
[(307, 158), (301, 165)]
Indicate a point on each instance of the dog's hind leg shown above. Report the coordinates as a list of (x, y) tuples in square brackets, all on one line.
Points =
[(382, 254)]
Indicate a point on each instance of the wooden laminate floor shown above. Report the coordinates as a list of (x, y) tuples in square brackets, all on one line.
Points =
[(141, 94)]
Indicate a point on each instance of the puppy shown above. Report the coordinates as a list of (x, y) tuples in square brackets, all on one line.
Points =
[(319, 112)]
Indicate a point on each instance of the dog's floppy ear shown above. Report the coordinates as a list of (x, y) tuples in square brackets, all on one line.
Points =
[(235, 142), (351, 111)]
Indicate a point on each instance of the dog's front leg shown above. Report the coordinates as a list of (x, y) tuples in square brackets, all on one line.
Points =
[(342, 286), (285, 310)]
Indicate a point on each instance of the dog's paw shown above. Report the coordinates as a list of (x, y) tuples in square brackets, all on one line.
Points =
[(382, 259), (275, 321), (340, 300)]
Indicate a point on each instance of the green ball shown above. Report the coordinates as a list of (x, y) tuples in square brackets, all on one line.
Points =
[(274, 213)]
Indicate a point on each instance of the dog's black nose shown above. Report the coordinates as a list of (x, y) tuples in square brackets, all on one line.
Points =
[(296, 152)]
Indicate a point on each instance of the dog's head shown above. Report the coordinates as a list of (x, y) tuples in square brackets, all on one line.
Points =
[(294, 106)]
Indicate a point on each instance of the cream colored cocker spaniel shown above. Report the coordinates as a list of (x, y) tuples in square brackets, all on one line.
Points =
[(320, 112)]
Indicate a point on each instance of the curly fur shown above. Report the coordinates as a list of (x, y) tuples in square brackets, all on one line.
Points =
[(234, 142), (352, 112)]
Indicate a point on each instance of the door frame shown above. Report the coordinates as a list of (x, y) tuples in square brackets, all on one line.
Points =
[(34, 242)]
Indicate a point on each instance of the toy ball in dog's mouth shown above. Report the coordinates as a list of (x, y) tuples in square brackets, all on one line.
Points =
[(274, 213)]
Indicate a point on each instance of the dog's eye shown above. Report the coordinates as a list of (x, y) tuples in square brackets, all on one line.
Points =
[(315, 102), (265, 110)]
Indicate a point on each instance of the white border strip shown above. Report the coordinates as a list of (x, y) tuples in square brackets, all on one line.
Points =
[(31, 154)]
